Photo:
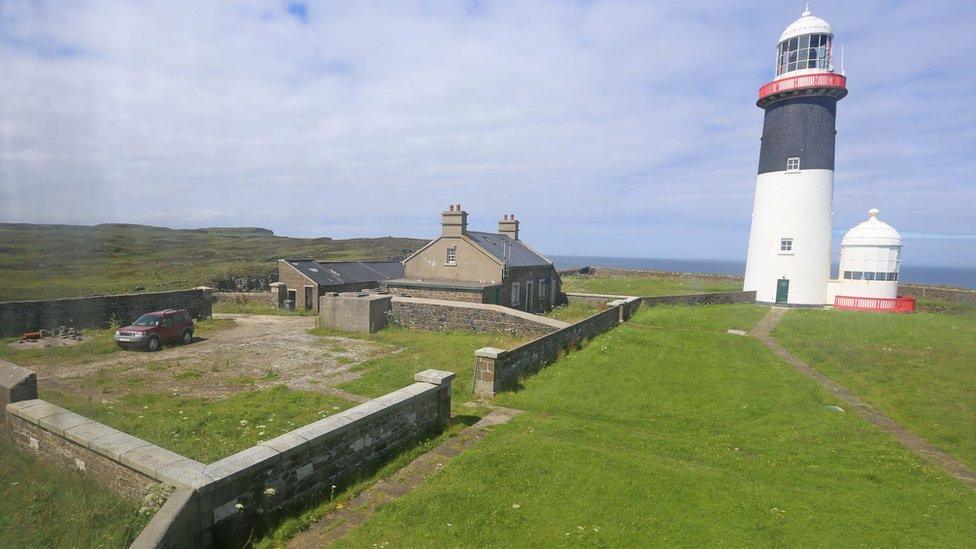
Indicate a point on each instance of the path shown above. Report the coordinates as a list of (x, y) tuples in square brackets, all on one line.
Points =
[(763, 331), (340, 522)]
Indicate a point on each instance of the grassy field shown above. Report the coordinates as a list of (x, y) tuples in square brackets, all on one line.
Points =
[(98, 344), (206, 430), (45, 506), (575, 311), (640, 285), (668, 431), (50, 261), (920, 369), (450, 351)]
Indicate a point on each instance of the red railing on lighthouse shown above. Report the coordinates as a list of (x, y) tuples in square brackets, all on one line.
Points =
[(802, 82), (899, 304)]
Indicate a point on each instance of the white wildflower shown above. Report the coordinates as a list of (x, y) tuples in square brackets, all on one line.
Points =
[(515, 506), (270, 491), (239, 506)]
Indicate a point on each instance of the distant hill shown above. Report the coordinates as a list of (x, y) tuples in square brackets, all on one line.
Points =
[(48, 261)]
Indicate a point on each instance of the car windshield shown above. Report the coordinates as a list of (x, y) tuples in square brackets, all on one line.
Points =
[(147, 320)]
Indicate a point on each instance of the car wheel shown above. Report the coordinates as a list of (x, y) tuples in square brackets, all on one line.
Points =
[(187, 337), (153, 344)]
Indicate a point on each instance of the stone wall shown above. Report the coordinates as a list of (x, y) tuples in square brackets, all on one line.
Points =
[(330, 452), (17, 317), (714, 298), (264, 298), (439, 316), (218, 502), (16, 384), (936, 292), (496, 369), (470, 296)]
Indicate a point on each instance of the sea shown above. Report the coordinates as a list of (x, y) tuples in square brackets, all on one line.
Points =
[(921, 274)]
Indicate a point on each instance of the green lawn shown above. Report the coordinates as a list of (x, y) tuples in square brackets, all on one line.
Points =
[(920, 369), (449, 351), (575, 311), (42, 505), (98, 345), (668, 431), (206, 430), (639, 285)]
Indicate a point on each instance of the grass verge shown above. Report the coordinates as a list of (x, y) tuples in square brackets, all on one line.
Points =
[(449, 351), (668, 430), (647, 285), (42, 505), (920, 369), (97, 345), (575, 311), (206, 430)]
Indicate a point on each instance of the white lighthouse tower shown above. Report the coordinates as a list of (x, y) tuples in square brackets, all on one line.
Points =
[(790, 239)]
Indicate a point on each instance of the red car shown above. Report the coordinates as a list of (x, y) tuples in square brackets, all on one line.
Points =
[(150, 330)]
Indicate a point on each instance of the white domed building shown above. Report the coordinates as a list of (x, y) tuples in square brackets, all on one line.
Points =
[(870, 257)]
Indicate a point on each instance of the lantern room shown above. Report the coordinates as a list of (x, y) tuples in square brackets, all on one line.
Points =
[(805, 46)]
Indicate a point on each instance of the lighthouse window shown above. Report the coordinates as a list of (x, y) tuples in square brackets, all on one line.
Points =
[(811, 51), (786, 245), (869, 276), (858, 275), (793, 164), (847, 275)]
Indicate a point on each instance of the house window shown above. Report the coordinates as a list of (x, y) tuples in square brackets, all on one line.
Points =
[(786, 244), (515, 293), (452, 255), (793, 164), (542, 288)]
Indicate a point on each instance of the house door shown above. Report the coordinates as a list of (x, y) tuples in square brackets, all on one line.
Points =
[(496, 296), (308, 297), (782, 290), (528, 296)]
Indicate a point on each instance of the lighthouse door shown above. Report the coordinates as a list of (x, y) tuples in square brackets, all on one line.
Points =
[(782, 290)]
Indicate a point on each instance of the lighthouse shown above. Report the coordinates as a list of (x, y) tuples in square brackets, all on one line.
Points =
[(790, 238)]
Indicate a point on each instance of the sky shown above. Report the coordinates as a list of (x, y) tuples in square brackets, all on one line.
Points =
[(609, 128)]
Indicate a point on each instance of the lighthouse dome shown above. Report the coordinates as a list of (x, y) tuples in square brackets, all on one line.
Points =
[(872, 232), (808, 23)]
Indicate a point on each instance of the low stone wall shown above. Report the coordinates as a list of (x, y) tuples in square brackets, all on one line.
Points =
[(264, 298), (327, 453), (596, 299), (439, 316), (16, 384), (218, 502), (470, 296), (715, 298), (496, 369), (919, 291), (17, 317)]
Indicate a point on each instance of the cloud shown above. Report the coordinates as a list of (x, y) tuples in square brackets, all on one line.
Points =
[(611, 128)]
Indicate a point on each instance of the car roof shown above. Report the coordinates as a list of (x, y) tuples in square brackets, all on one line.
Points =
[(164, 312)]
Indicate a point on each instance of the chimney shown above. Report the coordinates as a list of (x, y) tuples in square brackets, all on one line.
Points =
[(454, 221), (509, 225)]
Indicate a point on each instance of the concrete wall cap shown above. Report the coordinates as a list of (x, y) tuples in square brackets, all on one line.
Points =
[(435, 377), (490, 352), (85, 433), (116, 444), (239, 462), (186, 473), (59, 423), (286, 442), (34, 410), (150, 458), (12, 375), (322, 427)]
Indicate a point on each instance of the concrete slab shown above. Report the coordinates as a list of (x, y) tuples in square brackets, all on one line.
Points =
[(85, 433), (116, 444), (149, 459), (34, 410), (435, 377), (240, 461), (330, 425), (59, 423), (286, 442), (186, 473)]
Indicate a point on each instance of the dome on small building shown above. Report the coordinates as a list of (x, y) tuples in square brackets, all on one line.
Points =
[(870, 258), (872, 232), (808, 23)]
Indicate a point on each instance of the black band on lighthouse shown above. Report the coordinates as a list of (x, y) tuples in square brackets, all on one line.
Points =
[(801, 127)]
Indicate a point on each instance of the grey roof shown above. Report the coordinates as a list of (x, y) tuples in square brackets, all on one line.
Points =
[(512, 252), (347, 272), (441, 284)]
